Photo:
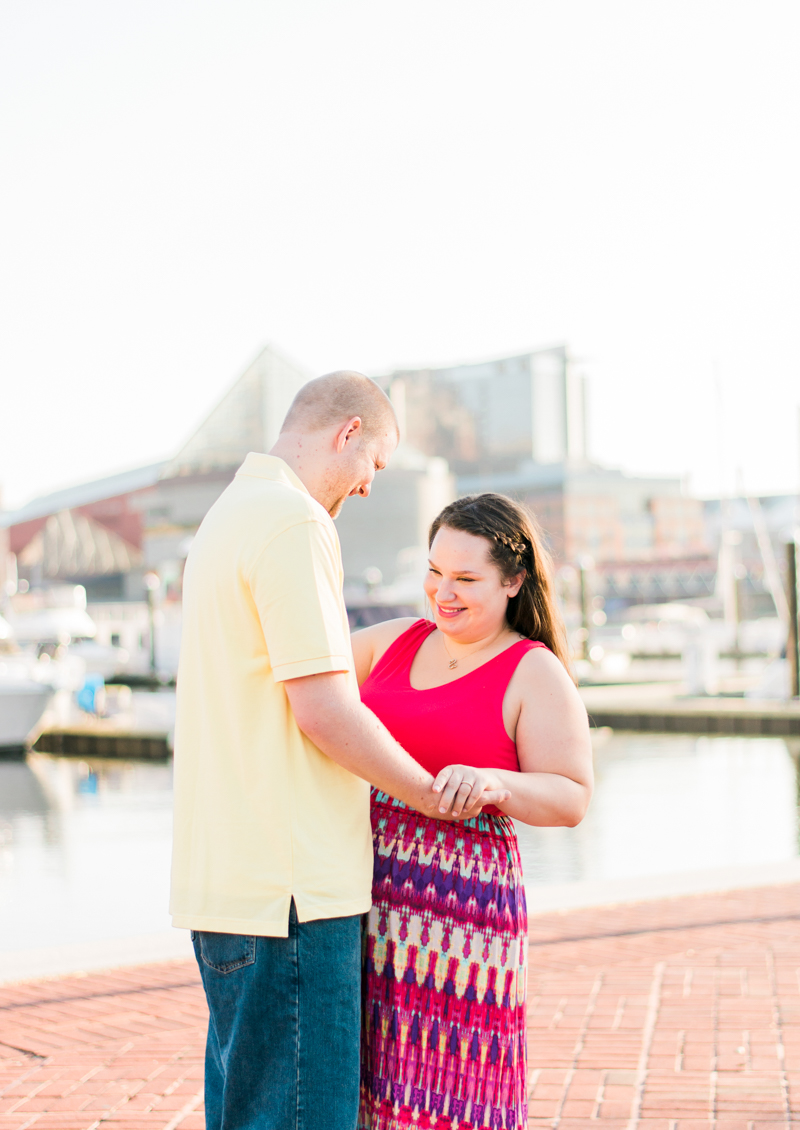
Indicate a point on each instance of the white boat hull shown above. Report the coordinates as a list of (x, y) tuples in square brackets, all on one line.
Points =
[(21, 707)]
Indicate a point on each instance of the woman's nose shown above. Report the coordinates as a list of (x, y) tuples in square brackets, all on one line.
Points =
[(444, 591)]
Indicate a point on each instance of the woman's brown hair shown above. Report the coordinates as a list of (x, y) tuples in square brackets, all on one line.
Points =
[(515, 545)]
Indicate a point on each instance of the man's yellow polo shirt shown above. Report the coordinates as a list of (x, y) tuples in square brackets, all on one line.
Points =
[(261, 814)]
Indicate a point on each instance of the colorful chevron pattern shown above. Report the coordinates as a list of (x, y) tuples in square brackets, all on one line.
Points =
[(445, 964)]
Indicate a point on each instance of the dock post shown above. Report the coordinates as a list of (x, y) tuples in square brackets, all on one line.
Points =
[(152, 581), (584, 566), (793, 638)]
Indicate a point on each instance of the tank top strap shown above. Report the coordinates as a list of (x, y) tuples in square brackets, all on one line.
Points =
[(500, 669), (399, 655)]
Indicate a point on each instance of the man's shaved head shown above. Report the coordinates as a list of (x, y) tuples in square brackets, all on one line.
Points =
[(338, 397), (339, 432)]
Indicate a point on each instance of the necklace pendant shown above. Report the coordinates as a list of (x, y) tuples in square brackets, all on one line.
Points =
[(453, 663)]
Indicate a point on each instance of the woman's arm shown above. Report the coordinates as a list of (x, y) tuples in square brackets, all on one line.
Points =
[(555, 784), (370, 643)]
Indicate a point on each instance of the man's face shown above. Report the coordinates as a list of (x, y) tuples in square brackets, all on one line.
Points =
[(357, 466)]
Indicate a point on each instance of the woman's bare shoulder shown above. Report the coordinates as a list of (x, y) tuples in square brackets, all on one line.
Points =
[(540, 670), (374, 640)]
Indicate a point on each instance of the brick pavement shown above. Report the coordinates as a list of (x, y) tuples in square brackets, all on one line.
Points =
[(676, 1014)]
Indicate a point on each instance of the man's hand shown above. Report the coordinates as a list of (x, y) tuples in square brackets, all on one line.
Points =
[(464, 791)]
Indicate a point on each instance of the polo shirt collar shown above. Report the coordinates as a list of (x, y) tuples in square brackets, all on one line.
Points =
[(260, 466)]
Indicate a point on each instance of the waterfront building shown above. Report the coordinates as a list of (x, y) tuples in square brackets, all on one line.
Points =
[(373, 531), (518, 425), (247, 418), (91, 534), (515, 425), (627, 529), (588, 510), (107, 534), (387, 530), (489, 416)]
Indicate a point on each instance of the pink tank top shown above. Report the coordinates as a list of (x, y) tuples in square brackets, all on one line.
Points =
[(458, 723)]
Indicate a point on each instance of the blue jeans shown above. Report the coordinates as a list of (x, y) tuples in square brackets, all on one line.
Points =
[(284, 1026)]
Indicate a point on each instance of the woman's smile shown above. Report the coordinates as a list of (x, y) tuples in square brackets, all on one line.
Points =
[(449, 613)]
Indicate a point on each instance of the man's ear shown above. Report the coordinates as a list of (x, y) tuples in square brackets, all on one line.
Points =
[(347, 433)]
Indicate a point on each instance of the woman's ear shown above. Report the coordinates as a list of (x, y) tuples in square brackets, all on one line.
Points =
[(515, 585)]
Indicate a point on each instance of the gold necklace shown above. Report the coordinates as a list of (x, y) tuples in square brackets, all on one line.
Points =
[(454, 662)]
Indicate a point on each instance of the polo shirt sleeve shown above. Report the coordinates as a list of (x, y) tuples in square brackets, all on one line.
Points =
[(296, 585)]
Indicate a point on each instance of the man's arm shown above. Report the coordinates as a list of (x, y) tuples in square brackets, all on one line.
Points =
[(337, 722)]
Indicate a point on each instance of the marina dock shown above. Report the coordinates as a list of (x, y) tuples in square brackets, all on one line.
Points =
[(662, 708), (94, 741), (143, 730)]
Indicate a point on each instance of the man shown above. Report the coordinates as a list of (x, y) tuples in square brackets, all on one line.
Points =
[(272, 860)]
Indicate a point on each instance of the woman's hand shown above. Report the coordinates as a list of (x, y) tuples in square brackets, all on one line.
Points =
[(465, 790)]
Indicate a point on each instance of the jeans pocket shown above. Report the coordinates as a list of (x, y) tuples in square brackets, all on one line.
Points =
[(225, 953)]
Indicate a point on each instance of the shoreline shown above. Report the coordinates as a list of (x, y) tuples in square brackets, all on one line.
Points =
[(83, 958)]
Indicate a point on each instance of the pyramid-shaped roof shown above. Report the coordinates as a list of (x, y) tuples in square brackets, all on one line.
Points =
[(73, 545), (248, 418)]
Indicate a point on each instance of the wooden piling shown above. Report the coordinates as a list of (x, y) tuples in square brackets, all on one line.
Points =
[(793, 638)]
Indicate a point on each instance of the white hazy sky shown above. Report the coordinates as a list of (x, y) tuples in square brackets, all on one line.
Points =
[(373, 183)]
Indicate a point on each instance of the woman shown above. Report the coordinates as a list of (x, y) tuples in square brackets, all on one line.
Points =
[(481, 697)]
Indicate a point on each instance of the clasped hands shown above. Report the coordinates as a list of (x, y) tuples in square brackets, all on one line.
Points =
[(462, 791)]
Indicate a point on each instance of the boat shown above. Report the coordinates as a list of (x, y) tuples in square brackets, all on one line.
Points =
[(28, 683), (23, 701)]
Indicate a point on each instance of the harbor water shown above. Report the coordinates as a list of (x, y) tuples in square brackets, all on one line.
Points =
[(85, 845)]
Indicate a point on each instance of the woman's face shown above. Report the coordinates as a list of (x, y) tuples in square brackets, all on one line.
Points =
[(466, 591)]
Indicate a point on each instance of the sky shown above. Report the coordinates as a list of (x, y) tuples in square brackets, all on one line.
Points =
[(373, 184)]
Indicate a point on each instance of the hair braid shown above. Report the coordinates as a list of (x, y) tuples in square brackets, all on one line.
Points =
[(516, 546)]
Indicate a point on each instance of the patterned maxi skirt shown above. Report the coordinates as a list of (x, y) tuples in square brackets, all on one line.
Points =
[(445, 964)]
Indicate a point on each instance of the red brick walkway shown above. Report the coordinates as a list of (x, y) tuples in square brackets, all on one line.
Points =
[(668, 1015)]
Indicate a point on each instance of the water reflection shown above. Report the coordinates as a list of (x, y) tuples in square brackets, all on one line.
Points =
[(85, 850), (85, 845), (669, 803)]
